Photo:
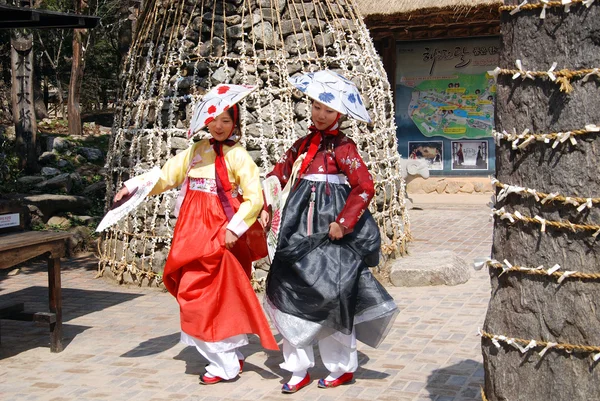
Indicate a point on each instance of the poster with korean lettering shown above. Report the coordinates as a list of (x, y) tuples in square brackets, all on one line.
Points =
[(444, 93)]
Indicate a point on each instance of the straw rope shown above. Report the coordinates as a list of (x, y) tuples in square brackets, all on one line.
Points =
[(584, 349), (537, 220), (521, 141), (539, 271), (543, 198), (562, 77)]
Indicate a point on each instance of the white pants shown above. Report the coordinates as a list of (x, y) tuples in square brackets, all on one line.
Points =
[(223, 356), (338, 353)]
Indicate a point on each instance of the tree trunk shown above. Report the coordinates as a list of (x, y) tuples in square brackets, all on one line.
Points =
[(23, 101), (59, 96), (77, 67), (536, 307)]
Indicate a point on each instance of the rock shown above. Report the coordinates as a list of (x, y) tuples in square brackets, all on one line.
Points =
[(279, 4), (323, 41), (222, 74), (453, 187), (76, 178), (265, 35), (62, 181), (159, 260), (467, 188), (50, 205), (235, 32), (255, 155), (30, 180), (301, 109), (441, 186), (58, 221), (179, 143), (60, 144), (62, 163), (91, 154), (414, 185), (85, 220), (429, 186), (97, 188), (479, 187), (50, 171), (290, 26), (47, 158), (433, 268), (269, 15), (79, 159), (79, 240), (297, 42)]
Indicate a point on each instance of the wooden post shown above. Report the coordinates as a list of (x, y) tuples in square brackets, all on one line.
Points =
[(73, 107), (539, 307), (55, 302), (23, 101), (77, 68)]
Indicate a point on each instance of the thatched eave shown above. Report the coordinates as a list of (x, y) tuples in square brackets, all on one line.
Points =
[(413, 20)]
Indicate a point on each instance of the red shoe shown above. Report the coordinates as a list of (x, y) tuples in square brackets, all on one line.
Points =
[(241, 365), (343, 379), (292, 388), (210, 380)]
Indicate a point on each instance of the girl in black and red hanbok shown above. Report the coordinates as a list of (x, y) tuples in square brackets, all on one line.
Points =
[(320, 289)]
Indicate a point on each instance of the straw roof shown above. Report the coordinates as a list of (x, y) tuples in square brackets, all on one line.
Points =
[(430, 19), (391, 7)]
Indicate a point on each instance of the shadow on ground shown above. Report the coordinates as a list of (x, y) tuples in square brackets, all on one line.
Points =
[(461, 381), (85, 261), (17, 336)]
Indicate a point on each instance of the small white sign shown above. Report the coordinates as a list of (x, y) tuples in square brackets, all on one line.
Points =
[(9, 220)]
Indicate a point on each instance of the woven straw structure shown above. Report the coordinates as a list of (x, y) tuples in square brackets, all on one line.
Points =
[(184, 48)]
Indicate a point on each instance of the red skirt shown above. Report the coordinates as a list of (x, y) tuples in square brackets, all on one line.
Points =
[(211, 283)]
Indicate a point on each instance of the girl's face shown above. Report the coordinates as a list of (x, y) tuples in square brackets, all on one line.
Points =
[(322, 116), (221, 127)]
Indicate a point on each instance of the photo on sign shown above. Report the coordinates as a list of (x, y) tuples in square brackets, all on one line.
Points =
[(469, 155), (430, 151)]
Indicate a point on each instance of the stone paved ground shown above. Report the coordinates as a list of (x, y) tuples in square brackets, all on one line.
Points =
[(122, 342)]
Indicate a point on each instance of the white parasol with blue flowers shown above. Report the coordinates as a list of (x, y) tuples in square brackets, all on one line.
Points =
[(334, 91)]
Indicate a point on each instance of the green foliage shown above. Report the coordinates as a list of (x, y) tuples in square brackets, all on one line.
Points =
[(102, 57), (9, 166)]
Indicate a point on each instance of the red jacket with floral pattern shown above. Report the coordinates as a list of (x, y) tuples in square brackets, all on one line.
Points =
[(336, 155)]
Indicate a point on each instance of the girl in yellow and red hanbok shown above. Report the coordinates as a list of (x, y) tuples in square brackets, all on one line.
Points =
[(216, 238)]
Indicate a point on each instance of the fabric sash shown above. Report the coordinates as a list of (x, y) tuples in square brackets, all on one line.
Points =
[(222, 177), (315, 141)]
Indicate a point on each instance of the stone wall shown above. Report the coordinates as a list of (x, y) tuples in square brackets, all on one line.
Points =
[(449, 185)]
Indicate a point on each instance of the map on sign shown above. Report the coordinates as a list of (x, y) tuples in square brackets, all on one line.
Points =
[(458, 106)]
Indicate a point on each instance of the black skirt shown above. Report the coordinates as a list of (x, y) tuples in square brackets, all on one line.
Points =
[(317, 286)]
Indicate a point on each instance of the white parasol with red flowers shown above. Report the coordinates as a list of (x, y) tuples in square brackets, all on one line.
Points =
[(219, 99)]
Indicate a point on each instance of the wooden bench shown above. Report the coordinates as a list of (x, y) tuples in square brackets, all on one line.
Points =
[(19, 247)]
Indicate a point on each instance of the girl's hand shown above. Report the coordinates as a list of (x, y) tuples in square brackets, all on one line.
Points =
[(123, 192), (264, 218), (336, 231), (230, 239)]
